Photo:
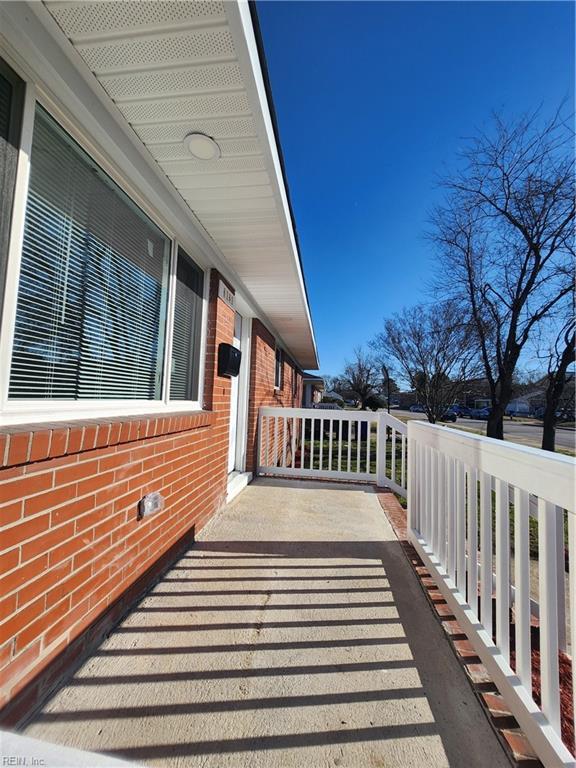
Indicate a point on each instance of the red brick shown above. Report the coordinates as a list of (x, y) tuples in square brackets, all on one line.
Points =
[(40, 447), (45, 501), (21, 619), (9, 560), (68, 586), (18, 448), (41, 625), (47, 541), (75, 440), (21, 532), (5, 653), (60, 627), (103, 435), (68, 549), (94, 483), (89, 439), (59, 442), (76, 471), (114, 433), (41, 585), (25, 486), (21, 662), (11, 512), (7, 607), (89, 554), (23, 574), (74, 509)]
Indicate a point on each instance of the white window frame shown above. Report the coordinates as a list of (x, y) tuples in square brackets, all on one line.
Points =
[(12, 411)]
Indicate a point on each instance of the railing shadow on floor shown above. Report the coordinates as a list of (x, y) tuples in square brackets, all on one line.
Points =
[(431, 658)]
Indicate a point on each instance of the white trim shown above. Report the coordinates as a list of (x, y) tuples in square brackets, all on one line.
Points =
[(167, 370), (237, 481), (243, 395), (66, 410), (240, 22), (324, 474), (12, 277)]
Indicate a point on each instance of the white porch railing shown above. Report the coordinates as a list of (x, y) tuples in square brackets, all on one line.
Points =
[(469, 517), (337, 445)]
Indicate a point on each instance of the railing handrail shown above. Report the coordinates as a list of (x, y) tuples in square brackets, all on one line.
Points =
[(542, 473), (341, 415), (318, 413), (392, 421)]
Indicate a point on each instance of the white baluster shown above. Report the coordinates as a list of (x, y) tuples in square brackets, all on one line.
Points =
[(502, 569), (460, 529), (548, 598), (441, 485), (472, 490), (486, 551), (522, 587)]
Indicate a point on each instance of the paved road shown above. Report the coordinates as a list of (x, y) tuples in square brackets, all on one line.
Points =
[(515, 431)]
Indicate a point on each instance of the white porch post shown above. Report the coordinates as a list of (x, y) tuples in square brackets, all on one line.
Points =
[(411, 495)]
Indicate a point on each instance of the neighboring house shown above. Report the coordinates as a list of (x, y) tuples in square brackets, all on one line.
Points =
[(518, 407), (332, 396), (313, 387), (145, 222)]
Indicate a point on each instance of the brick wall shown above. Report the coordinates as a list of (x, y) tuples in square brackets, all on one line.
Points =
[(73, 553), (262, 390)]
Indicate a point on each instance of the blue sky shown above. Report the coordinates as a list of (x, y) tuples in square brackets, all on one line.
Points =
[(373, 101)]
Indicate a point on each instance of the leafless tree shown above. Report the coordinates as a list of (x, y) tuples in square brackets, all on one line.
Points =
[(432, 350), (361, 376), (505, 235), (559, 355)]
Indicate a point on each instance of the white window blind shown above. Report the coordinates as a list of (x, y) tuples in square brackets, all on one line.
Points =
[(186, 330), (92, 296)]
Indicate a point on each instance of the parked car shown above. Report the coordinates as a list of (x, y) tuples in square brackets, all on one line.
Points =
[(564, 414), (479, 413), (518, 408), (462, 411), (449, 415), (417, 408)]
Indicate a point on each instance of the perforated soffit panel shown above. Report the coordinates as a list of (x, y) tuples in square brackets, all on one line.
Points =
[(172, 68)]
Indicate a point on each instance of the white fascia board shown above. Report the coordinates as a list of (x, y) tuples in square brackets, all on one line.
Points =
[(44, 56), (240, 23)]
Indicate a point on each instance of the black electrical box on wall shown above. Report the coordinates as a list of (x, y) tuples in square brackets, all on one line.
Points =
[(228, 360)]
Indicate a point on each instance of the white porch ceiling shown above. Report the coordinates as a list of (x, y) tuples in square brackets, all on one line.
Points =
[(176, 67)]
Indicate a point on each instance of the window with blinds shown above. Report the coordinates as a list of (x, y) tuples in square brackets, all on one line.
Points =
[(92, 295), (187, 329)]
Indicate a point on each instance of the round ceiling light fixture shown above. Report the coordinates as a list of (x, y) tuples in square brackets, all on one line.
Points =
[(202, 147)]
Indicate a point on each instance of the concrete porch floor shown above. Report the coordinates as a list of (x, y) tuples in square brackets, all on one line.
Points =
[(294, 633)]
